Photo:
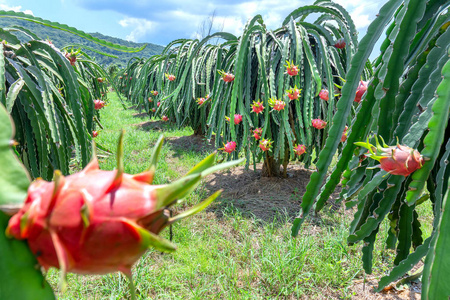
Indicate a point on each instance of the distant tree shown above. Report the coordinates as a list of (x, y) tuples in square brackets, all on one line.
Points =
[(208, 26)]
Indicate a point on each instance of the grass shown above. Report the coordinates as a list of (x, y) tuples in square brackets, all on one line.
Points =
[(224, 254)]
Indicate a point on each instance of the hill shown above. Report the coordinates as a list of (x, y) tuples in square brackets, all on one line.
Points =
[(61, 38)]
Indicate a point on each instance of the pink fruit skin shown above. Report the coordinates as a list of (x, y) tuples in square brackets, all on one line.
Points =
[(171, 77), (257, 133), (200, 101), (94, 133), (228, 77), (292, 71), (158, 104), (362, 88), (257, 107), (340, 44), (324, 95), (94, 220), (154, 93), (400, 160), (319, 124), (229, 147), (300, 149), (237, 119), (98, 104), (150, 99), (165, 118), (153, 109), (294, 95), (279, 105), (265, 145)]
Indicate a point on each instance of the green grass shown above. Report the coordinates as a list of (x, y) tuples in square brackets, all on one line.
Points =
[(221, 253)]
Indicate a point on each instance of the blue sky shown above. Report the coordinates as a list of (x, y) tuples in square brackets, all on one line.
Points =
[(162, 21)]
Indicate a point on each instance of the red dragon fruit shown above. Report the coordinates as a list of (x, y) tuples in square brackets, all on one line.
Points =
[(291, 69), (360, 91), (265, 145), (257, 132), (100, 80), (158, 104), (396, 160), (226, 77), (237, 119), (165, 118), (299, 149), (154, 93), (293, 93), (97, 222), (153, 109), (170, 77), (200, 101), (150, 99), (94, 133), (277, 104), (323, 94), (344, 135), (229, 147), (257, 107), (99, 104), (318, 123), (340, 44)]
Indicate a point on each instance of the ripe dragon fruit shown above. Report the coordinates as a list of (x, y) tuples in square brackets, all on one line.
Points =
[(291, 69), (158, 104), (340, 44), (229, 147), (257, 132), (154, 93), (170, 77), (150, 99), (265, 145), (257, 107), (360, 91), (226, 77), (97, 222), (165, 118), (153, 109), (237, 119), (323, 94), (318, 123), (396, 160), (293, 93), (277, 104), (99, 104), (94, 133), (299, 149)]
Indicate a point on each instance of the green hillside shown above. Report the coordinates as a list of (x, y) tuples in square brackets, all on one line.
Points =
[(62, 38)]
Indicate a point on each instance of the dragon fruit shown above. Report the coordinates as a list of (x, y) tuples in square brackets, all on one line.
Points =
[(293, 93), (323, 94), (226, 77), (344, 135), (229, 147), (170, 77), (340, 44), (99, 104), (153, 109), (94, 134), (291, 69), (277, 104), (318, 123), (158, 104), (257, 107), (257, 133), (396, 160), (100, 80), (97, 222), (360, 91), (150, 99), (237, 119), (299, 149), (265, 145), (154, 93), (200, 101), (165, 118)]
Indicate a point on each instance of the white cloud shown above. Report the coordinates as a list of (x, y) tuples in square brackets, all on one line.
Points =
[(15, 8), (141, 27)]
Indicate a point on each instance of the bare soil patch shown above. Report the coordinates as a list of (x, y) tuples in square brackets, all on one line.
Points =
[(196, 143), (150, 125)]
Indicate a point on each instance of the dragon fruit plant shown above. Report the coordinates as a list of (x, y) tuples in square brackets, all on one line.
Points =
[(98, 222)]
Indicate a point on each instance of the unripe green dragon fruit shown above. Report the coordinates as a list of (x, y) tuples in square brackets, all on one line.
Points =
[(396, 160), (97, 222)]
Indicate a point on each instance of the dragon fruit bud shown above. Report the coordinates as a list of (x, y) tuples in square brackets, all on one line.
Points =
[(229, 147), (257, 133), (299, 149), (226, 77), (318, 123), (265, 145), (362, 88), (154, 93), (200, 101), (165, 118), (291, 69), (99, 104), (277, 104), (340, 44), (170, 77), (257, 107), (323, 94), (396, 160), (97, 222), (293, 93), (237, 119)]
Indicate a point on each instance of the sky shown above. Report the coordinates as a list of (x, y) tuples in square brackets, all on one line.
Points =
[(163, 21)]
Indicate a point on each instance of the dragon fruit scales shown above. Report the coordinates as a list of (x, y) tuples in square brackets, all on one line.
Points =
[(96, 222)]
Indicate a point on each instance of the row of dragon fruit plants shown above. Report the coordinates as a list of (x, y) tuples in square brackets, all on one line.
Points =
[(49, 115), (268, 94), (406, 103)]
